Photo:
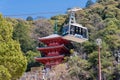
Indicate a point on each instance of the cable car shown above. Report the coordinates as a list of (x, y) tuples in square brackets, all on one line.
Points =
[(74, 31)]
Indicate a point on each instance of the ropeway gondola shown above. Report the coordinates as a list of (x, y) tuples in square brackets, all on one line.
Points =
[(74, 31)]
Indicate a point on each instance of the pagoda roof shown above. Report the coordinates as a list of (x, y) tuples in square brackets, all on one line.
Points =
[(53, 37), (46, 60), (59, 48), (49, 58), (50, 36)]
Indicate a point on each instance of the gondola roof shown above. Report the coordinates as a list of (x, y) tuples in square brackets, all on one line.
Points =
[(78, 25)]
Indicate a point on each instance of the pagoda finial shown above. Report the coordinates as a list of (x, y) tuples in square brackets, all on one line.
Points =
[(55, 27)]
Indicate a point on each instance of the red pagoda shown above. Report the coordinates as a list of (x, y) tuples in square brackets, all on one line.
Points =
[(54, 51)]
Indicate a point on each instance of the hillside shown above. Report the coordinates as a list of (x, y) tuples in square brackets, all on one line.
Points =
[(102, 20)]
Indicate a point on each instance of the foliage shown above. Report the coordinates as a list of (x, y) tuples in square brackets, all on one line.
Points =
[(31, 61), (42, 28), (106, 60), (61, 20), (11, 58), (102, 20), (89, 3), (29, 18), (27, 33), (78, 68), (21, 33), (4, 73), (89, 47)]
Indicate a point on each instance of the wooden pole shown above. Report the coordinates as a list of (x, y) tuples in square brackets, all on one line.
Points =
[(99, 63), (99, 42)]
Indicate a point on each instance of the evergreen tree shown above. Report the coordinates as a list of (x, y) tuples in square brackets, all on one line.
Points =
[(21, 33), (29, 18), (12, 61), (89, 3)]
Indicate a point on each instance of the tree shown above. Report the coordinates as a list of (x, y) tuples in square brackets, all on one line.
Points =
[(103, 21), (79, 68), (42, 28), (30, 59), (61, 20), (99, 1), (106, 62), (12, 60), (89, 3), (22, 34), (29, 18), (4, 73)]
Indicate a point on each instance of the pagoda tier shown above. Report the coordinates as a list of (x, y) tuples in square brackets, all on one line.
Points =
[(50, 61), (54, 50), (54, 40)]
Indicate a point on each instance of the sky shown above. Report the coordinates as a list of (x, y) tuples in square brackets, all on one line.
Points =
[(34, 8)]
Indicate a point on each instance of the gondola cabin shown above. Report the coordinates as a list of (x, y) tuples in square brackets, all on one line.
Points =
[(75, 32)]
